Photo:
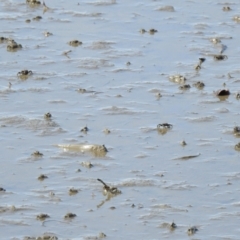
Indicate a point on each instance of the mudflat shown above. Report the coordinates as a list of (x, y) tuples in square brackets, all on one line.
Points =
[(156, 83)]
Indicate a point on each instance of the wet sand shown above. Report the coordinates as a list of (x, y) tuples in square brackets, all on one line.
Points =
[(122, 71)]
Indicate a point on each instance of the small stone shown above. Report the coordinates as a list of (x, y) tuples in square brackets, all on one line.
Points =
[(142, 30), (173, 226), (37, 154), (85, 129), (72, 191), (236, 129), (51, 194), (152, 31), (223, 92), (236, 18), (47, 115), (229, 75), (185, 87), (24, 73), (70, 215), (42, 216), (87, 164), (47, 34), (164, 126), (201, 60), (178, 79), (198, 67), (2, 189), (75, 43), (37, 18), (102, 235), (199, 85), (106, 131), (167, 9), (192, 230), (215, 40), (220, 57), (183, 143), (237, 147), (226, 8), (42, 177)]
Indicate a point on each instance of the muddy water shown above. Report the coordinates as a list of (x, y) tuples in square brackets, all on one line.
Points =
[(160, 182)]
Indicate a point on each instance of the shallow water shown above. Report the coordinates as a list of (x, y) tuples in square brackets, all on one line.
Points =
[(151, 169)]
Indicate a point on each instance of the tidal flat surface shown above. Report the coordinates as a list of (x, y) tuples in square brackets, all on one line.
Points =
[(118, 79)]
